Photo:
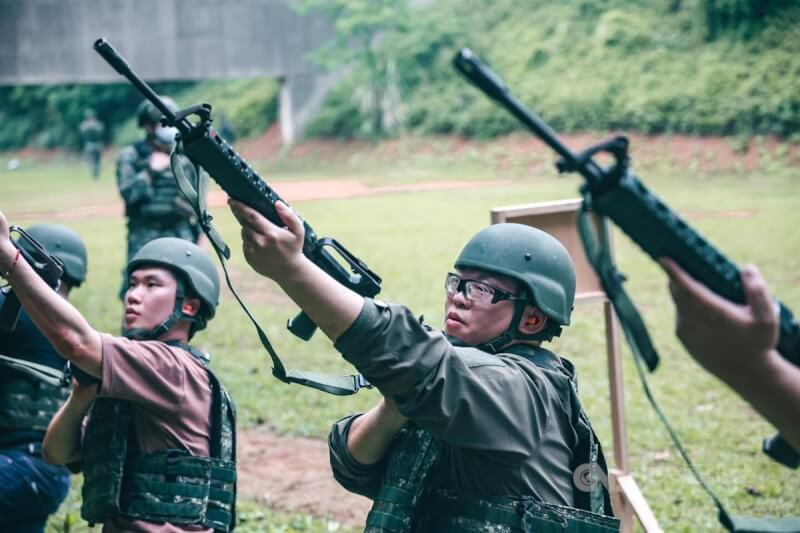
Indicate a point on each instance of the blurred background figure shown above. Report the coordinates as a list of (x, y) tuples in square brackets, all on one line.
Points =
[(154, 206), (92, 135)]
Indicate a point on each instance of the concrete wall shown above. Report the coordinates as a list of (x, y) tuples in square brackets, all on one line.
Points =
[(50, 41)]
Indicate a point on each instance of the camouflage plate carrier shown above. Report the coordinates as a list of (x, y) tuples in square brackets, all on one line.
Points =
[(170, 486), (27, 403), (403, 504)]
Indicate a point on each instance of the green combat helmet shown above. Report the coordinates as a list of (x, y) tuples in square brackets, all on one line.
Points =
[(196, 274), (535, 259), (66, 245), (147, 113)]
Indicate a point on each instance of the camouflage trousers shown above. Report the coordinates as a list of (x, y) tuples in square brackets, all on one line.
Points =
[(140, 235)]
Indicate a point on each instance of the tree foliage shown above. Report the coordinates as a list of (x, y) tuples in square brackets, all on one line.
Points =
[(593, 65), (360, 26), (48, 116), (744, 17), (689, 66)]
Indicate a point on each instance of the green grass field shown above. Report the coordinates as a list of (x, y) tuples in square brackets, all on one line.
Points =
[(410, 239)]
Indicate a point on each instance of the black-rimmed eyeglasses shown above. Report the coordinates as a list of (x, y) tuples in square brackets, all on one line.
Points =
[(475, 290)]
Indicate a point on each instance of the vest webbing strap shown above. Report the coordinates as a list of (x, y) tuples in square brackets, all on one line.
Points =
[(199, 487), (639, 341), (28, 404), (474, 510), (384, 521), (395, 494), (523, 514), (413, 454), (38, 371), (194, 190)]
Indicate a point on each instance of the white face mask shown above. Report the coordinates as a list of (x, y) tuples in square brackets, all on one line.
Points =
[(165, 135)]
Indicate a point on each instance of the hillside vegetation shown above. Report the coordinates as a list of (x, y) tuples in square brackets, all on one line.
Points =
[(707, 67), (700, 67)]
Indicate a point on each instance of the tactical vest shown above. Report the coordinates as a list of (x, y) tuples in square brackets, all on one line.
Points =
[(166, 205), (28, 403), (170, 486), (403, 504)]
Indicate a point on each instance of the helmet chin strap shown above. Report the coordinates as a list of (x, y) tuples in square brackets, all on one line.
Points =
[(513, 333), (177, 314)]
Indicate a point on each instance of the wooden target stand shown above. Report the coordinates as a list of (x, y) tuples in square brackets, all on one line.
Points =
[(559, 220)]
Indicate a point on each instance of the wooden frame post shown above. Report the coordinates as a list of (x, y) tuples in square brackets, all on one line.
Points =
[(559, 220)]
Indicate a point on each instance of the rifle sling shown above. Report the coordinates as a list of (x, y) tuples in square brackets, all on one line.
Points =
[(599, 256), (639, 341), (194, 190)]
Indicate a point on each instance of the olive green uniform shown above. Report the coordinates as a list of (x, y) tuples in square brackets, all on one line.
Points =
[(502, 420)]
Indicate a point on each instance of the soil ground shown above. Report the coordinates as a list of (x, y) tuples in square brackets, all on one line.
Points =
[(294, 474)]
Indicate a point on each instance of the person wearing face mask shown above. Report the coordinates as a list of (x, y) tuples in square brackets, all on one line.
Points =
[(158, 447), (154, 207), (480, 428)]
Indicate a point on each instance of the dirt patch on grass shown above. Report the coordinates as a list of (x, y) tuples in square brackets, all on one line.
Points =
[(685, 152), (295, 191), (254, 288), (294, 474)]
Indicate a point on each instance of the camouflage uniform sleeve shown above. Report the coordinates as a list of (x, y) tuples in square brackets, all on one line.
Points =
[(134, 185), (353, 476), (466, 397)]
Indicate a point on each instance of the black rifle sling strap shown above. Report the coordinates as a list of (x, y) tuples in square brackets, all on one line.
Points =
[(638, 338), (193, 187), (599, 256)]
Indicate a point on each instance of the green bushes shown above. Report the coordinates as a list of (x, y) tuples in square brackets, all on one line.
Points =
[(603, 65), (48, 116), (651, 66)]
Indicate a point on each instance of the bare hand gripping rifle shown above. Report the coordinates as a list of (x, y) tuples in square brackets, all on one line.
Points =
[(617, 193), (206, 149)]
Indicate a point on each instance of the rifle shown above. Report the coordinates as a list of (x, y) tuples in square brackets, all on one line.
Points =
[(206, 149), (49, 267), (617, 193)]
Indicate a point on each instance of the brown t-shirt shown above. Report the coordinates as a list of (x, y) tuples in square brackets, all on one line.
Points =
[(171, 399)]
